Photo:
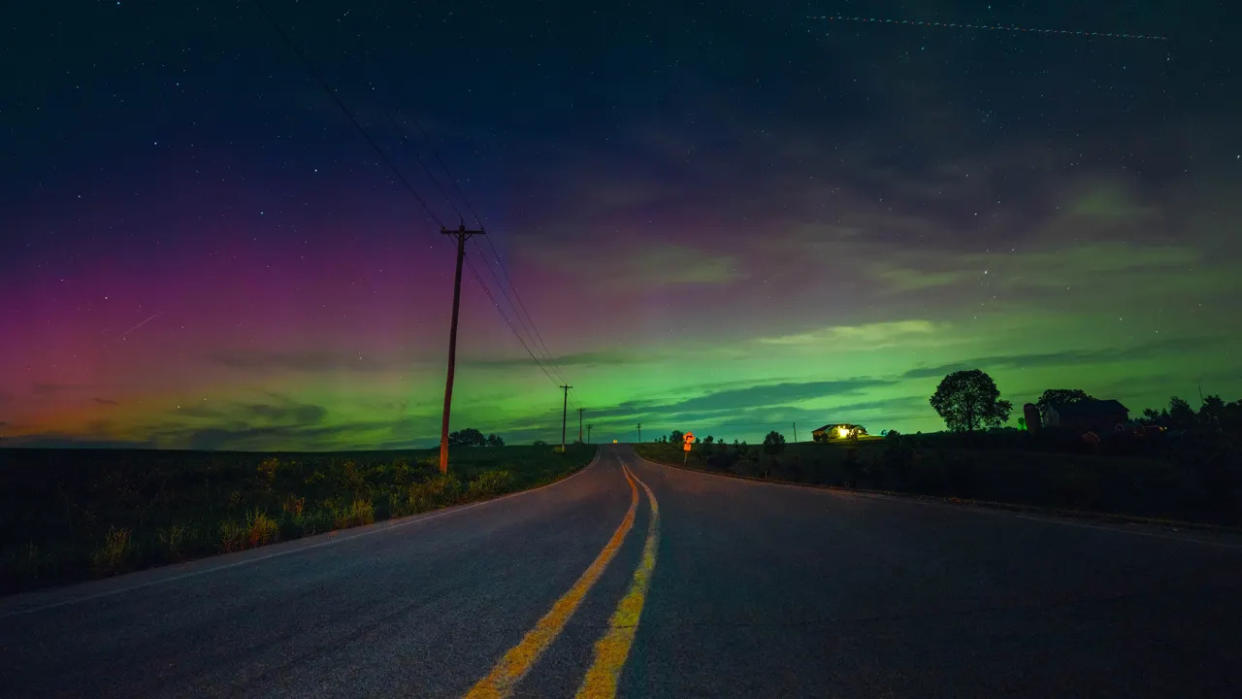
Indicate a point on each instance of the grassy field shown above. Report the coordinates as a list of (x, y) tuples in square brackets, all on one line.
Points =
[(1140, 485), (68, 514)]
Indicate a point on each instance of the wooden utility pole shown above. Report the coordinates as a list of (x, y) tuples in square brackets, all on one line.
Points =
[(640, 433), (795, 425), (579, 424), (462, 235), (564, 409), (589, 428)]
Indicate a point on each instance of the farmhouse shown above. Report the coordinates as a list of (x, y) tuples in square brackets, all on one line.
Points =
[(838, 430), (1088, 415)]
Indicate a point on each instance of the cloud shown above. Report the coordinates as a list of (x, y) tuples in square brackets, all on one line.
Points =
[(757, 396), (679, 264), (1148, 350), (61, 440), (308, 361), (301, 414), (865, 336), (281, 410), (342, 436), (1108, 199), (105, 401), (52, 389), (597, 358)]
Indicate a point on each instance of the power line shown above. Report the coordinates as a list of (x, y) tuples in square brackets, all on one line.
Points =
[(516, 295), (500, 274), (310, 68), (505, 317), (387, 161)]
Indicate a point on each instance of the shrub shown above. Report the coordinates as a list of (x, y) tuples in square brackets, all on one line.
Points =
[(358, 512), (232, 536), (489, 484), (435, 492), (774, 442), (171, 539), (112, 556), (722, 460), (260, 529), (267, 470), (294, 506)]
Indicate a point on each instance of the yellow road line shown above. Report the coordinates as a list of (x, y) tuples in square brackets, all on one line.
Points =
[(520, 658), (613, 648)]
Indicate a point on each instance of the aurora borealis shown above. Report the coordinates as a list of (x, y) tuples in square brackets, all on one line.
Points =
[(723, 218)]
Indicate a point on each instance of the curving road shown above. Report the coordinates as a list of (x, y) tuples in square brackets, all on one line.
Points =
[(649, 581)]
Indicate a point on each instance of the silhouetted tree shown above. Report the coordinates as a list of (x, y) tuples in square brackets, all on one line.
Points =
[(968, 400), (494, 440), (676, 437), (709, 439), (774, 442), (468, 437), (1060, 396), (1181, 415), (1211, 413)]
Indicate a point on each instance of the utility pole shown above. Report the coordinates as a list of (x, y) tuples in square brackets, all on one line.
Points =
[(640, 433), (462, 235), (579, 424), (564, 408), (589, 428), (795, 433)]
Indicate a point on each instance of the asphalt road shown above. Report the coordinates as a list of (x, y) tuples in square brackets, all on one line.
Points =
[(735, 588)]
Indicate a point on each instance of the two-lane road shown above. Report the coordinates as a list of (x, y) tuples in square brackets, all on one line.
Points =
[(659, 582)]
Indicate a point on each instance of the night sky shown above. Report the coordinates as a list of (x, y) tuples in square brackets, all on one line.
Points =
[(723, 217)]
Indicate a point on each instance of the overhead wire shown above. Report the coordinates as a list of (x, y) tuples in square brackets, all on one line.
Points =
[(332, 94), (495, 267), (502, 279)]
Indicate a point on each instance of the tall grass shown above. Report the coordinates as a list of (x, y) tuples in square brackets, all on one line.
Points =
[(112, 556), (71, 514)]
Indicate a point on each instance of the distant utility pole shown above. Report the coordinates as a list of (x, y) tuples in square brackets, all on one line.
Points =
[(795, 433), (564, 408), (462, 235), (579, 424), (589, 428), (640, 433)]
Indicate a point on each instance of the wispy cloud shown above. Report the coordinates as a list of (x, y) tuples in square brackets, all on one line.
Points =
[(865, 336), (1148, 350), (308, 361), (608, 357)]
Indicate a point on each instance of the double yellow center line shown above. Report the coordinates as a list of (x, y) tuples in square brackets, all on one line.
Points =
[(612, 649)]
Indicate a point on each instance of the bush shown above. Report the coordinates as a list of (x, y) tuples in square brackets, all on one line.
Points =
[(112, 556), (171, 540), (357, 513), (267, 470), (489, 484), (260, 529), (774, 443), (232, 536), (438, 491), (722, 460)]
